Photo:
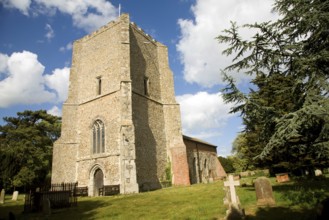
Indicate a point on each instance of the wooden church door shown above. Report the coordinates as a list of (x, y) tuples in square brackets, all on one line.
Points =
[(98, 181)]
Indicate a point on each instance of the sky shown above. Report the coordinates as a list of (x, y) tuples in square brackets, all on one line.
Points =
[(36, 39)]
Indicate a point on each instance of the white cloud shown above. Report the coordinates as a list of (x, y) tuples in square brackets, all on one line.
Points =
[(22, 5), (88, 15), (66, 48), (59, 81), (55, 111), (25, 83), (3, 63), (203, 114), (49, 32), (200, 52)]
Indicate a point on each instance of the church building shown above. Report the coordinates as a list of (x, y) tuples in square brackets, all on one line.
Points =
[(121, 124)]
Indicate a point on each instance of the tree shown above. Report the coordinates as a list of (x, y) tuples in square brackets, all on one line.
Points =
[(227, 164), (286, 113), (26, 148), (241, 154)]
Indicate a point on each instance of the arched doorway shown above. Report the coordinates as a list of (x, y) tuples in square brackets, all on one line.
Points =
[(98, 181)]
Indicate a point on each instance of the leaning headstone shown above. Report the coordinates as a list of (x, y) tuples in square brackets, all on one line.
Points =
[(2, 196), (232, 200), (15, 196), (318, 172), (264, 192)]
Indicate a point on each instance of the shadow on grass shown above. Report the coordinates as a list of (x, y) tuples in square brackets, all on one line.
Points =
[(299, 199), (304, 192), (283, 213), (86, 209)]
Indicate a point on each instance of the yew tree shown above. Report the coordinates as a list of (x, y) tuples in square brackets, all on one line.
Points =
[(286, 111)]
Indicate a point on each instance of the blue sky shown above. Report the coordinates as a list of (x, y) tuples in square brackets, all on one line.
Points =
[(36, 51)]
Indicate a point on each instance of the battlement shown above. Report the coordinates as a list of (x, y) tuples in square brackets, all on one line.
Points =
[(111, 24), (141, 31)]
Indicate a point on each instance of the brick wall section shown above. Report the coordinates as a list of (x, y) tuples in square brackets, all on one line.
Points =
[(204, 165)]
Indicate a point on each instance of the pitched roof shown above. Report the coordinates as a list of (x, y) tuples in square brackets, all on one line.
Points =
[(198, 140)]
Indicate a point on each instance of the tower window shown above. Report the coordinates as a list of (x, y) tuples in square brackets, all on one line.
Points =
[(98, 137), (99, 85), (146, 86)]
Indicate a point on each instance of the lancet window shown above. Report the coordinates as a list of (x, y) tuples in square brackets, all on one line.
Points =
[(98, 137), (99, 86)]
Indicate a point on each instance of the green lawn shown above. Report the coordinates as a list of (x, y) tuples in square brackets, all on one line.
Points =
[(295, 200)]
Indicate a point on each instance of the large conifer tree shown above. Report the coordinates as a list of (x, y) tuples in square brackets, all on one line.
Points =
[(287, 116)]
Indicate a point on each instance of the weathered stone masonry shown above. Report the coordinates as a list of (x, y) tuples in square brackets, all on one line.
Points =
[(120, 78)]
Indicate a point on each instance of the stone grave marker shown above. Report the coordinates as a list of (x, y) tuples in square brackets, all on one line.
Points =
[(15, 196), (282, 177), (245, 173), (318, 172), (264, 192), (231, 183), (232, 200), (2, 196)]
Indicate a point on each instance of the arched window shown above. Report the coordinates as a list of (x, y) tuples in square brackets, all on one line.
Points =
[(98, 137)]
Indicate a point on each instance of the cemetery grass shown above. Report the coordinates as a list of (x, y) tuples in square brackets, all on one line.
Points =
[(294, 200), (202, 201)]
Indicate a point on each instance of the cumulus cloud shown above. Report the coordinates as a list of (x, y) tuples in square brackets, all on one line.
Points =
[(59, 82), (203, 114), (88, 15), (21, 5), (200, 52), (49, 32), (25, 83)]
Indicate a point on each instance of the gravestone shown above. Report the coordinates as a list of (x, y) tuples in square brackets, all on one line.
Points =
[(264, 192), (318, 172), (282, 177), (232, 200), (236, 177), (2, 196), (245, 173), (231, 183), (15, 196)]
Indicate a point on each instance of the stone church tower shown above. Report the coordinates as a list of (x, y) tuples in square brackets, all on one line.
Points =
[(121, 123)]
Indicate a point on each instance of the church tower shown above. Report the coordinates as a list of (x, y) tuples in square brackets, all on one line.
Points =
[(121, 122)]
